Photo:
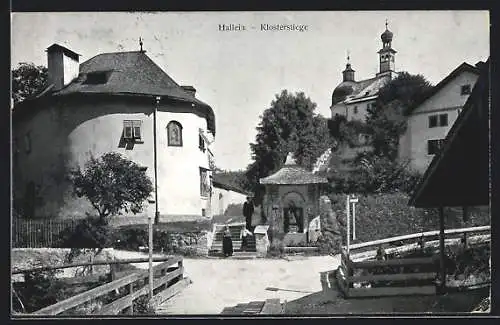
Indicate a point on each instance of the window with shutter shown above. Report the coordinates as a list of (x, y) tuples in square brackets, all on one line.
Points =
[(132, 130)]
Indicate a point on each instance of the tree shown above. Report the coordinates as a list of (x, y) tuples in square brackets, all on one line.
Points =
[(373, 173), (28, 80), (112, 184), (289, 125), (387, 120)]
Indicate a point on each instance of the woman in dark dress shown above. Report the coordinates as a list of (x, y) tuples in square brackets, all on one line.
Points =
[(227, 243)]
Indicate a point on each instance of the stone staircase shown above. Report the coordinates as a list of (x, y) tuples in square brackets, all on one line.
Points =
[(235, 229), (268, 307)]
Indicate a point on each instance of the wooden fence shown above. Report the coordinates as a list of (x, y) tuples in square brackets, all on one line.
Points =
[(356, 278), (29, 233), (168, 281)]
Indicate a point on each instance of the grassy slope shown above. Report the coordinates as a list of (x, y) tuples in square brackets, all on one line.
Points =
[(386, 215)]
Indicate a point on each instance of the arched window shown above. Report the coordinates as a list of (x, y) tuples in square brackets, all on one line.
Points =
[(174, 131)]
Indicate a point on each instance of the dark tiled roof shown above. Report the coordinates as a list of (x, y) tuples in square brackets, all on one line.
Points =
[(361, 89), (130, 73), (228, 187), (293, 174)]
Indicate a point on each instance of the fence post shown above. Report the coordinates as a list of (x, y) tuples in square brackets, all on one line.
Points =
[(112, 269), (131, 290)]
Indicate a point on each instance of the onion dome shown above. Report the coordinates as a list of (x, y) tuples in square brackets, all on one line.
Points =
[(387, 34), (343, 90)]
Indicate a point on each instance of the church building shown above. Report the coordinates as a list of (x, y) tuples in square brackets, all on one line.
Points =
[(352, 98)]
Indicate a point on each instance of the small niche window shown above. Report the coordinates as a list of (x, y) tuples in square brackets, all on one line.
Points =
[(203, 212), (96, 78), (201, 143), (355, 109), (27, 142), (174, 130), (434, 146), (132, 130), (465, 90), (204, 182)]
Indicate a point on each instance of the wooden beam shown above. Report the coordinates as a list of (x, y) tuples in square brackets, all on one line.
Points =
[(87, 295), (442, 254), (394, 262), (170, 259), (120, 304), (418, 235), (169, 292), (104, 289), (392, 277), (391, 291)]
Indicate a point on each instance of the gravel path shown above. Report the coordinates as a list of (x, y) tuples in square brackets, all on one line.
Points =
[(220, 283)]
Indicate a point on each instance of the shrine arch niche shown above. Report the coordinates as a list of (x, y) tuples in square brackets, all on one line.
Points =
[(293, 205)]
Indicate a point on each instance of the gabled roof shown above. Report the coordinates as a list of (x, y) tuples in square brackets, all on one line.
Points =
[(292, 174), (455, 73), (459, 174), (228, 187)]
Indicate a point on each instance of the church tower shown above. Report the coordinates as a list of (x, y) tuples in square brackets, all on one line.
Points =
[(348, 73), (387, 54)]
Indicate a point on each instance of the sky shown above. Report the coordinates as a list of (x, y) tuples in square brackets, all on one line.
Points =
[(238, 73)]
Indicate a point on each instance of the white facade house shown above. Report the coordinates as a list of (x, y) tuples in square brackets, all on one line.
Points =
[(108, 106), (430, 121), (224, 195)]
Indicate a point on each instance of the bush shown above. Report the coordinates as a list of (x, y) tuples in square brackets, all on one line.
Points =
[(42, 289), (133, 238), (91, 232), (385, 215), (371, 174), (143, 306)]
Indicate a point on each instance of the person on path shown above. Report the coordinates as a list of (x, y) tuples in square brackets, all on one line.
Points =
[(227, 243), (248, 210), (244, 238)]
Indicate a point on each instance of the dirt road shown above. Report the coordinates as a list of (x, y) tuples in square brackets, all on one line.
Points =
[(220, 283)]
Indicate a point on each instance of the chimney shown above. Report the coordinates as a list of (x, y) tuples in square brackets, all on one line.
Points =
[(62, 64), (189, 89)]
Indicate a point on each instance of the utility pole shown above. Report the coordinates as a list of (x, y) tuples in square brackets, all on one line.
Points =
[(348, 213), (353, 200), (157, 213)]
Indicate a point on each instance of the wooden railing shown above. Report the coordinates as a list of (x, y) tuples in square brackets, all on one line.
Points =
[(427, 234), (169, 280), (355, 278)]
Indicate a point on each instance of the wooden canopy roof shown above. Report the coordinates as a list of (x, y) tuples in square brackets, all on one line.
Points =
[(292, 174)]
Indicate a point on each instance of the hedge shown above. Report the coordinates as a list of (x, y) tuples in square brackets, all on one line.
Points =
[(381, 216)]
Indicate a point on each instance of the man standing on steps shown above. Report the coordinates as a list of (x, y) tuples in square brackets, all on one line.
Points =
[(248, 212)]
